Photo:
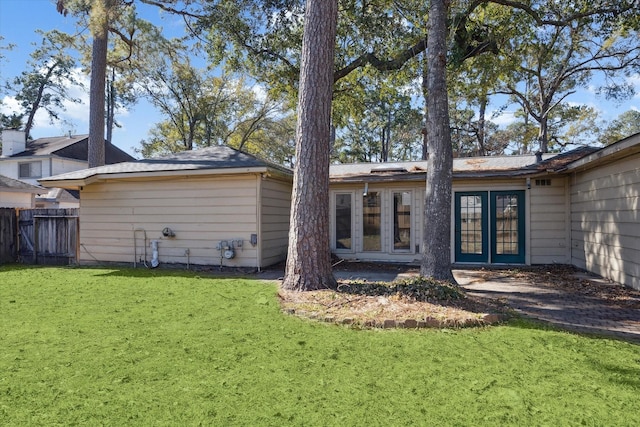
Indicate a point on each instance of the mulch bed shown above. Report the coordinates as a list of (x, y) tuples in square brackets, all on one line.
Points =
[(417, 305)]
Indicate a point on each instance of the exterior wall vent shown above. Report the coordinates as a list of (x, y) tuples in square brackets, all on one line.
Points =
[(388, 169), (543, 182)]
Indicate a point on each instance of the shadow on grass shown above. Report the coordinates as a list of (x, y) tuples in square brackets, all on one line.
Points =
[(626, 376), (178, 270), (556, 310), (19, 267), (171, 271)]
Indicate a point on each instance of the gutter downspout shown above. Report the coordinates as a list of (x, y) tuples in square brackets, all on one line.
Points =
[(259, 178), (569, 226)]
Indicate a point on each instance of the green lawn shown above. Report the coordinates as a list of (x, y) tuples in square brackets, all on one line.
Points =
[(149, 347)]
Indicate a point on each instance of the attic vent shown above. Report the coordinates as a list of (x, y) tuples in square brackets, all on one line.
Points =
[(543, 182), (383, 169)]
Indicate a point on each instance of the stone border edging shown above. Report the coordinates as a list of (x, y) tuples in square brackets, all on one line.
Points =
[(429, 322)]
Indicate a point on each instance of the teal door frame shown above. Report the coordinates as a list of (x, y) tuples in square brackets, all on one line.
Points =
[(514, 242), (513, 237), (466, 256)]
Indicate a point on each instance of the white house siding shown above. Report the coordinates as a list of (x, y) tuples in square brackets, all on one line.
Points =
[(10, 167), (49, 166), (7, 168), (274, 225), (201, 211), (549, 221), (10, 199), (605, 220), (61, 165)]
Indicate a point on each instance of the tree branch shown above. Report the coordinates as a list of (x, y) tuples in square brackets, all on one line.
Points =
[(563, 21), (169, 9), (392, 64)]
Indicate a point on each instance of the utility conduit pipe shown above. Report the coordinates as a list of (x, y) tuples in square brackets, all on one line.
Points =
[(135, 247), (154, 254)]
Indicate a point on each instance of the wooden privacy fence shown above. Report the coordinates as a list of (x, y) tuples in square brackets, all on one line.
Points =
[(8, 235), (48, 236)]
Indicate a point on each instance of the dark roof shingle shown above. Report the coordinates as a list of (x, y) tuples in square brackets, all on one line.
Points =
[(72, 147), (217, 157)]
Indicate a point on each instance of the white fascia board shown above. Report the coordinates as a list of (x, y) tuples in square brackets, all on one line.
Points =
[(81, 182), (631, 144)]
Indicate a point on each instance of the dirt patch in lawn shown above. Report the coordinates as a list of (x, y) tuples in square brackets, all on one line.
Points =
[(417, 302), (407, 303)]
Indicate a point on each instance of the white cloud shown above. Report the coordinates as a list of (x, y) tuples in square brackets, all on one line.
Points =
[(503, 119), (73, 117), (635, 81), (260, 92), (10, 105)]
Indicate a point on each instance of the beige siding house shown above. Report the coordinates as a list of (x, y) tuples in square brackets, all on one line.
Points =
[(580, 208), (605, 212), (222, 207), (215, 206), (506, 210), (18, 194)]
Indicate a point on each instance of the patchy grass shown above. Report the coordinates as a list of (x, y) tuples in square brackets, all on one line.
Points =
[(152, 347)]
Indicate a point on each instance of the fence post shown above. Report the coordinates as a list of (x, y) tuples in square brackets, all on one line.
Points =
[(8, 236), (36, 237)]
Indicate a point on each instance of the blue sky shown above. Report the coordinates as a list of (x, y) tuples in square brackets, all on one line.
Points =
[(18, 21), (20, 18)]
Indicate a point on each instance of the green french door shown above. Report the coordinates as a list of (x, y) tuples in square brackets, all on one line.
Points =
[(507, 227), (489, 226), (471, 231)]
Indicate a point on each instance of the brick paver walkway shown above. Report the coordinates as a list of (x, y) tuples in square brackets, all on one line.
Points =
[(568, 310), (572, 311)]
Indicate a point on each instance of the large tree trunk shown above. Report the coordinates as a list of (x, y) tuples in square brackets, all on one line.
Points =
[(543, 134), (309, 258), (100, 30), (425, 95), (482, 147), (111, 105), (436, 247)]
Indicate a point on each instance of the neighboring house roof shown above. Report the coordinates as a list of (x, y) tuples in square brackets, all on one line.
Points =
[(207, 159), (13, 185), (58, 195), (463, 167), (71, 147)]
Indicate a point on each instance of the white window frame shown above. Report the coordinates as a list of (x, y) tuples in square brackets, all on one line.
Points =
[(32, 173), (383, 223), (333, 221), (412, 227)]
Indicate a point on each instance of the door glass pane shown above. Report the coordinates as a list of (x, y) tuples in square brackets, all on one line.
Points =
[(402, 220), (471, 224), (343, 221), (371, 238), (506, 226)]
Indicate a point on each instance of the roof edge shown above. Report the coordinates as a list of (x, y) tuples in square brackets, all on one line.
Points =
[(51, 182), (611, 152)]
